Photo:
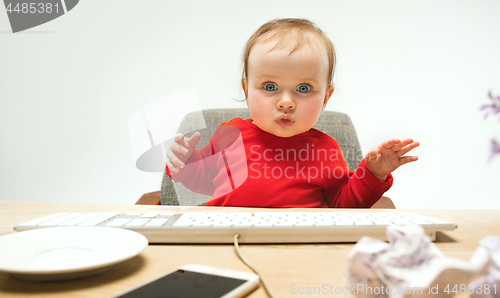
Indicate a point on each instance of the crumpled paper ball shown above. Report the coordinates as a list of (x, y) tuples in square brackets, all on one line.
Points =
[(490, 283), (410, 265)]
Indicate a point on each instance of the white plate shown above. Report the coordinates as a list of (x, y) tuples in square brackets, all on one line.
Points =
[(67, 252)]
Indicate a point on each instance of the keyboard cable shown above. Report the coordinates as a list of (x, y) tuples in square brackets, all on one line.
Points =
[(244, 260)]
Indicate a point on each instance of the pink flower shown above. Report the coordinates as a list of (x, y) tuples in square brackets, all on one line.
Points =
[(495, 149), (494, 107)]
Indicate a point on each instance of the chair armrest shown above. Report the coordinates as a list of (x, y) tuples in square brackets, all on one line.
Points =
[(151, 198), (384, 203)]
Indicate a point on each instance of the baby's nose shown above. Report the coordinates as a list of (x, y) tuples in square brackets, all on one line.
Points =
[(286, 106), (286, 102)]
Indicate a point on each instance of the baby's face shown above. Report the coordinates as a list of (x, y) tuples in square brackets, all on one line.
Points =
[(286, 93)]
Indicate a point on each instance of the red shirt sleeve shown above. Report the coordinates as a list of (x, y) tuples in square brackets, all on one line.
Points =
[(360, 189), (197, 175)]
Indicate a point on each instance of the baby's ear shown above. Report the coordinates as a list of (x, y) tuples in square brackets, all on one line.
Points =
[(328, 94), (244, 86)]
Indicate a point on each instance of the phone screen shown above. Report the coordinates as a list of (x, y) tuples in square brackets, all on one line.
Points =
[(183, 283)]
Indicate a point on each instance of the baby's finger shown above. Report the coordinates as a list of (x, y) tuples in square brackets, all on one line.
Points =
[(403, 143), (407, 159), (388, 144), (372, 154), (179, 138), (193, 140), (407, 141), (174, 159), (407, 148), (176, 147), (398, 144), (171, 167)]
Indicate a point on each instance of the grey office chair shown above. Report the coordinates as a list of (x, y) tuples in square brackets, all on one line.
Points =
[(336, 125)]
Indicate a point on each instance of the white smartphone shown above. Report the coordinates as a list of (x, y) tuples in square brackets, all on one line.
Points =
[(197, 281)]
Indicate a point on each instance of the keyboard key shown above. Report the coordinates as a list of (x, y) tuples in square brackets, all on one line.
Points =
[(401, 222), (303, 223), (344, 223), (437, 221), (149, 215), (39, 220), (202, 224), (283, 223), (223, 223), (382, 222), (118, 222), (263, 223), (60, 219), (243, 215), (363, 223), (157, 222), (102, 217), (136, 222), (78, 220), (182, 224), (420, 221), (322, 223)]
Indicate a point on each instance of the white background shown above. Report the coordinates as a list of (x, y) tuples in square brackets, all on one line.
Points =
[(419, 69)]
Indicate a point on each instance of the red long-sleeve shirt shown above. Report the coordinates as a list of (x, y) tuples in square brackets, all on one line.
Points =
[(245, 166)]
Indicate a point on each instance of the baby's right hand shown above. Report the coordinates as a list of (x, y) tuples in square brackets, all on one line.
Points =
[(180, 150)]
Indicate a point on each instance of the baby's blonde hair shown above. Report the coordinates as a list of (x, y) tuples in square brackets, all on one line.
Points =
[(287, 31)]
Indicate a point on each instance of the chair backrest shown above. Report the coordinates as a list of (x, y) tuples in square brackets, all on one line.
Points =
[(336, 125)]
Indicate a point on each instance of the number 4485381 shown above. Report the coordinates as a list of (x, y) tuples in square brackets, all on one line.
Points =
[(471, 289), (33, 8)]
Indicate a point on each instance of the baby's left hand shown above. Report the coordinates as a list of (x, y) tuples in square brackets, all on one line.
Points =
[(388, 156)]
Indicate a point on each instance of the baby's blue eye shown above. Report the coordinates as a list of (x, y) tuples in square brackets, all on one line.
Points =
[(304, 88), (270, 87)]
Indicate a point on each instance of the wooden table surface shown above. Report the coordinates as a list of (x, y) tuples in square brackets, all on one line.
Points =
[(286, 266)]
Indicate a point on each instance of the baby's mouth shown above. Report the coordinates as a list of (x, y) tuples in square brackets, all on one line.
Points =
[(284, 120)]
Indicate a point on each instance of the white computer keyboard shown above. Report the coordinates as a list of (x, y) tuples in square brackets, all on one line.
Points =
[(254, 227)]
